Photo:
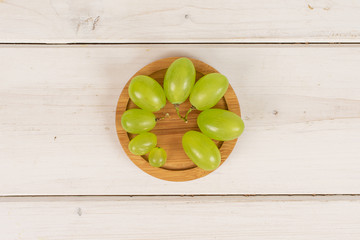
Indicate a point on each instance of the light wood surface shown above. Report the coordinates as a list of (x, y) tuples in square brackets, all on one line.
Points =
[(180, 218), (169, 131), (128, 21), (300, 104)]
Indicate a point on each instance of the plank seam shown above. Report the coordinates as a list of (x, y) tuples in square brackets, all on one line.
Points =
[(187, 195), (182, 43)]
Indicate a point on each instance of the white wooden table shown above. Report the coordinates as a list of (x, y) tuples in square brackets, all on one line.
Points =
[(294, 65)]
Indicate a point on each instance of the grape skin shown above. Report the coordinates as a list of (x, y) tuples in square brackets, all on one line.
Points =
[(220, 124), (157, 157), (142, 143), (201, 150), (138, 121)]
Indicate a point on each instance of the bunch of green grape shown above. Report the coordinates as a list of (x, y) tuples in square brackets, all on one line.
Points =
[(179, 85)]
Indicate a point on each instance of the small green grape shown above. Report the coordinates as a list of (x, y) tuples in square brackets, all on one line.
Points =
[(138, 121), (208, 90), (201, 150), (220, 124), (157, 157), (147, 93), (179, 80), (142, 143)]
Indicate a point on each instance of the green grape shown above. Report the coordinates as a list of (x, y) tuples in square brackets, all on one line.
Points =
[(138, 121), (220, 124), (142, 143), (147, 93), (201, 150), (208, 90), (157, 157), (179, 80)]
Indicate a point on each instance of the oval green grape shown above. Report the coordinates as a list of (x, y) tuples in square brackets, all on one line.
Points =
[(138, 121), (147, 93), (208, 90), (220, 124), (157, 157), (201, 150), (179, 80), (142, 143)]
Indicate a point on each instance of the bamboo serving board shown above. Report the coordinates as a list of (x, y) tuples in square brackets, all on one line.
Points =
[(170, 130)]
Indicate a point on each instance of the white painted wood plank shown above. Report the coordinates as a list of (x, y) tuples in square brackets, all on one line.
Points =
[(124, 21), (179, 218), (301, 107)]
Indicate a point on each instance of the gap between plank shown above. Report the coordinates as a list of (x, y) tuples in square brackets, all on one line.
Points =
[(185, 195), (183, 43)]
